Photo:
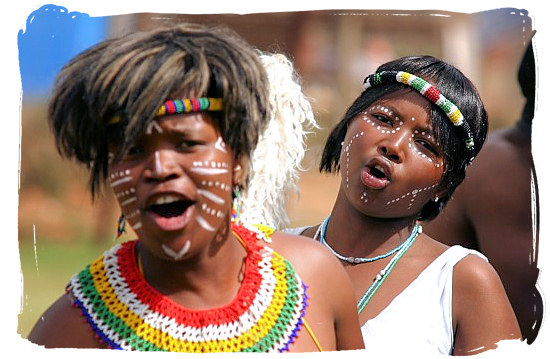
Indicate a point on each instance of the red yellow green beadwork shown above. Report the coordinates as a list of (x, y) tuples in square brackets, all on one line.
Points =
[(127, 313), (432, 94)]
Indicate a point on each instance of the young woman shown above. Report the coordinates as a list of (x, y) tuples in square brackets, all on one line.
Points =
[(169, 119), (401, 149)]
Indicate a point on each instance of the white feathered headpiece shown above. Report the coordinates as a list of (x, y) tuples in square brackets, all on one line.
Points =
[(276, 161)]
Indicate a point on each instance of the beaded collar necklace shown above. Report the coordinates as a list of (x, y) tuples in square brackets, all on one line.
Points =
[(382, 275), (125, 312)]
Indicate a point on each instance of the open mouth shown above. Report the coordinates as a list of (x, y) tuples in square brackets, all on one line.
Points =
[(378, 172), (170, 208), (171, 212), (375, 176)]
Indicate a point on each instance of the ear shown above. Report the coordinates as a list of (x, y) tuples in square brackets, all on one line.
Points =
[(440, 193), (238, 172)]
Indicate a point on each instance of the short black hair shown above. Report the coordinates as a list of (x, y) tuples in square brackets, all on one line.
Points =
[(454, 85), (133, 75)]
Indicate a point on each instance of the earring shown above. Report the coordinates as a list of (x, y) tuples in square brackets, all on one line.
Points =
[(237, 206), (436, 199), (121, 227)]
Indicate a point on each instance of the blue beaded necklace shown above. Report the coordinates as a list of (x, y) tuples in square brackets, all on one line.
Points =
[(357, 260), (380, 277)]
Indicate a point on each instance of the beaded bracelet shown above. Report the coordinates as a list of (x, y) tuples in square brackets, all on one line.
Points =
[(431, 93)]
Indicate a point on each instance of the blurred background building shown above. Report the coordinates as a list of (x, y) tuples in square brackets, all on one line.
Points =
[(60, 229)]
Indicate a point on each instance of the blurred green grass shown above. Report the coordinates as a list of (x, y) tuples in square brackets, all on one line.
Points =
[(46, 273)]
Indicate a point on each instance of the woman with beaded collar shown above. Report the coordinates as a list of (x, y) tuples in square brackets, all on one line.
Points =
[(401, 149), (169, 119)]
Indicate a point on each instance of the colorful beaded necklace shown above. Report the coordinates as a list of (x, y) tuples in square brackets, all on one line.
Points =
[(127, 313)]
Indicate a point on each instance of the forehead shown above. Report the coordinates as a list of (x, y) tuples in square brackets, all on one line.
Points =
[(405, 102)]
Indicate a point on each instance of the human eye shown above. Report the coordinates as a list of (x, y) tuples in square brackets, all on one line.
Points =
[(187, 144), (134, 152), (428, 146), (384, 119)]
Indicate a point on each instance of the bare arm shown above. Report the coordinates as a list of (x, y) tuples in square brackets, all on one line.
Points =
[(491, 212), (332, 313), (482, 314), (62, 326), (339, 287)]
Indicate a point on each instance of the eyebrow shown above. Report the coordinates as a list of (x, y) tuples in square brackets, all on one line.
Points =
[(396, 113)]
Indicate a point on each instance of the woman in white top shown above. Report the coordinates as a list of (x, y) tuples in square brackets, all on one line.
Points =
[(401, 149)]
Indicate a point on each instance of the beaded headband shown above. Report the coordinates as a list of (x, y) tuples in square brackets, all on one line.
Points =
[(186, 105), (431, 93)]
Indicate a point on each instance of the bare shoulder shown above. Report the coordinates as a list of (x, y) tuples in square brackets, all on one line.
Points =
[(475, 272), (332, 307), (482, 314), (304, 253), (475, 281), (62, 326), (312, 261)]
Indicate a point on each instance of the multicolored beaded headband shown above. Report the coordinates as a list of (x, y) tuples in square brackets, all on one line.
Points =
[(431, 93), (186, 105)]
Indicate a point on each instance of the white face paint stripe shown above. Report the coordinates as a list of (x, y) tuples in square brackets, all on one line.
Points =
[(208, 171), (212, 164), (220, 145), (133, 214), (120, 181), (158, 167), (211, 196), (204, 224), (152, 124), (179, 254), (128, 201)]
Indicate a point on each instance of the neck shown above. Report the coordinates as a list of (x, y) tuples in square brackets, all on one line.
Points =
[(352, 233), (208, 279)]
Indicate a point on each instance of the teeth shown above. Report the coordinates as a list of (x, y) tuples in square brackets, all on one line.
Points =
[(379, 168), (166, 199)]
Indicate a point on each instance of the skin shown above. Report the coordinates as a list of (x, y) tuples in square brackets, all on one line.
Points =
[(368, 220), (496, 214), (197, 261)]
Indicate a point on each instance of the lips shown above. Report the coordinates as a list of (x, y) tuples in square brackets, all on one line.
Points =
[(376, 175), (170, 211)]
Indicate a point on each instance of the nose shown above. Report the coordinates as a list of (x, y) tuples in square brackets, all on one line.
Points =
[(393, 146), (162, 166)]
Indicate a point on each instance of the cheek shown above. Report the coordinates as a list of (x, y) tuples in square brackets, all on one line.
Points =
[(430, 160), (424, 178), (351, 146), (212, 175), (122, 183), (413, 197)]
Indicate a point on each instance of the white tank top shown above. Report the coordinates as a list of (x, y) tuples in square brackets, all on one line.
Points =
[(419, 319)]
